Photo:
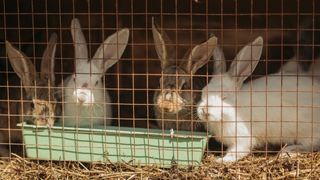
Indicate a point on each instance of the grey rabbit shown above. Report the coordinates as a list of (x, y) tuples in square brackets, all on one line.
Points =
[(175, 100), (36, 104)]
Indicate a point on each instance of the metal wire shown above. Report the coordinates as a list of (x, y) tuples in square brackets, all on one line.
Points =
[(133, 81)]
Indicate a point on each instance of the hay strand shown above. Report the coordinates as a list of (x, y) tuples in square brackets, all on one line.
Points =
[(270, 167)]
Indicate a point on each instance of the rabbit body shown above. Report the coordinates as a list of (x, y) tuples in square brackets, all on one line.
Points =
[(278, 109), (86, 103)]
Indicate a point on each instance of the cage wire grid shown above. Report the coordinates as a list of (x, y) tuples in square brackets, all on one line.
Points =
[(160, 60)]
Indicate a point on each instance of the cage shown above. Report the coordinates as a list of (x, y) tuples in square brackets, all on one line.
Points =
[(159, 89)]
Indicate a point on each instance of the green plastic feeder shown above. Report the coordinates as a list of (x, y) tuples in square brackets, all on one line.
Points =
[(115, 144)]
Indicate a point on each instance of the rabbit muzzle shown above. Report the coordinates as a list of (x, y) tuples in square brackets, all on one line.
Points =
[(44, 120), (202, 111), (84, 97), (43, 113), (215, 108), (170, 101)]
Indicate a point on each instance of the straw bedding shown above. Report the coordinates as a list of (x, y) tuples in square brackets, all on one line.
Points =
[(253, 167)]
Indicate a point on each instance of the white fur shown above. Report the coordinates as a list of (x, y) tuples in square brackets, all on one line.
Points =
[(92, 111), (86, 103), (272, 109), (292, 67)]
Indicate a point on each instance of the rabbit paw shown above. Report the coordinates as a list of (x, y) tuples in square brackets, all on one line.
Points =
[(226, 159), (232, 157), (287, 154), (291, 151)]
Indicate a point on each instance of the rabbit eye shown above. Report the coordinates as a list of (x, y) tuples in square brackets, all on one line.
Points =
[(85, 85), (185, 86)]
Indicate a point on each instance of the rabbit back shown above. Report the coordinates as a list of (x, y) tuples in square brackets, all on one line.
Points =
[(283, 108)]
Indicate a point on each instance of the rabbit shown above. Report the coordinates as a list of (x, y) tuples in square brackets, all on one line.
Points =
[(85, 102), (174, 102), (272, 109), (37, 103), (39, 94)]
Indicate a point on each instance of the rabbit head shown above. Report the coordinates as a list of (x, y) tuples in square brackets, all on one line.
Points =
[(38, 103), (89, 73), (176, 92), (221, 90)]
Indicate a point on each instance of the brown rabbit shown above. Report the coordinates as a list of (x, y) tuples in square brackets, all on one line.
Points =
[(174, 102), (36, 104)]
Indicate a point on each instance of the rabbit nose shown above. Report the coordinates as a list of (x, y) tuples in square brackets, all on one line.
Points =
[(81, 98), (167, 96), (84, 96), (41, 120), (44, 117)]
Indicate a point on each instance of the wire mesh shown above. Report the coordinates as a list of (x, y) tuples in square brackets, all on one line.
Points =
[(151, 83)]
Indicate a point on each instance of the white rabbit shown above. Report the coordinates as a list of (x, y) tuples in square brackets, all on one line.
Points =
[(86, 103), (272, 109)]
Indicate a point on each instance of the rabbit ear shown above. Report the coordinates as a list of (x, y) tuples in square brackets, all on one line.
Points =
[(292, 66), (47, 64), (79, 42), (22, 65), (160, 39), (200, 55), (246, 61), (111, 50), (219, 61)]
